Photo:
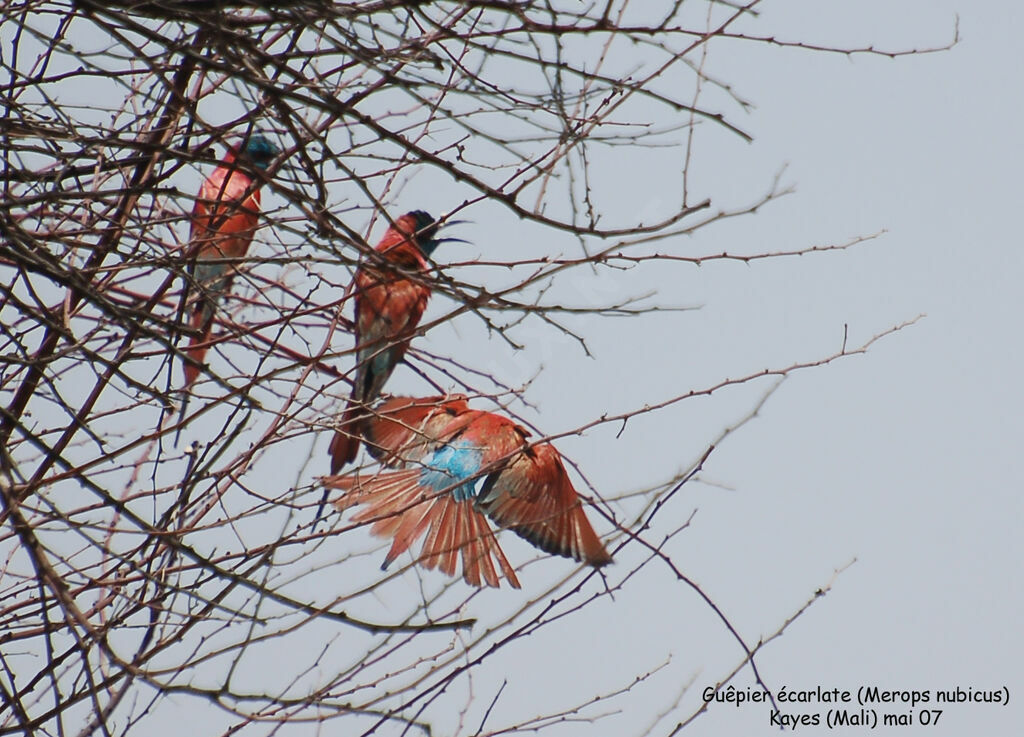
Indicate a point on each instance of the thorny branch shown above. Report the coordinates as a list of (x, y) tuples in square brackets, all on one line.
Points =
[(133, 569)]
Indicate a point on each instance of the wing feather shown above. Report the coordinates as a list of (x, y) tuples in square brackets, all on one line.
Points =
[(533, 496), (405, 429)]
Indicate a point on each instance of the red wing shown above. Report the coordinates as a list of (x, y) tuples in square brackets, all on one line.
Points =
[(387, 314), (398, 507), (499, 438), (221, 221), (387, 309), (404, 429), (533, 497)]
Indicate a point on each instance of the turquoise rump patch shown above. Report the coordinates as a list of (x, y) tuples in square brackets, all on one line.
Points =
[(450, 465)]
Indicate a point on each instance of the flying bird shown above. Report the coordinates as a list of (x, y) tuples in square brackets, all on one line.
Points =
[(390, 294), (223, 222), (454, 466)]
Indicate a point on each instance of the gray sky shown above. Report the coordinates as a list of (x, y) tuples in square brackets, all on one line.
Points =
[(906, 459)]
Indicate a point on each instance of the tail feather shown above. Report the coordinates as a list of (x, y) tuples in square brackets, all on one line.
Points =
[(382, 493), (192, 359), (345, 443), (214, 282), (195, 351), (343, 449), (408, 529), (439, 549), (506, 567), (476, 560), (397, 506), (457, 528)]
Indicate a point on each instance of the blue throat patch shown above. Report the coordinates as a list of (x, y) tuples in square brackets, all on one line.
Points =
[(450, 465)]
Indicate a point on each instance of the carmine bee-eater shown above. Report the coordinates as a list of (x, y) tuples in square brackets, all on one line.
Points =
[(223, 222), (456, 465), (390, 292)]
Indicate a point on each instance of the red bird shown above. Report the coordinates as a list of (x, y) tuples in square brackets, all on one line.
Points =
[(444, 449), (390, 296), (224, 220)]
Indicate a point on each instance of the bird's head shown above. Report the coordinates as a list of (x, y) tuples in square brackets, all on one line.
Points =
[(259, 150), (426, 230)]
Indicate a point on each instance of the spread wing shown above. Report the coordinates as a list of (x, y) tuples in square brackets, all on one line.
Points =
[(402, 430), (533, 496)]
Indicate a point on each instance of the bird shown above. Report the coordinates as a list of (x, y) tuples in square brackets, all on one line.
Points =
[(223, 223), (390, 294), (454, 467)]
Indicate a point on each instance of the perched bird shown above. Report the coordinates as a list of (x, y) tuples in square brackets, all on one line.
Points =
[(223, 222), (457, 464), (390, 296)]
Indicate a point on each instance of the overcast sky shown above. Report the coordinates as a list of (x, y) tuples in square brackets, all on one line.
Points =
[(907, 459), (902, 467)]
